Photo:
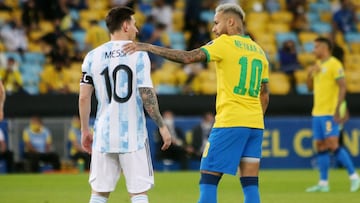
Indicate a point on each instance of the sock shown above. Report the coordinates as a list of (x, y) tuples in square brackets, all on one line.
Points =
[(343, 156), (250, 186), (208, 188), (324, 164), (140, 199), (97, 199)]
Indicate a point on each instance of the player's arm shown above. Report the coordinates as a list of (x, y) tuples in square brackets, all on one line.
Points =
[(180, 56), (84, 112), (151, 106), (341, 97), (264, 96), (2, 100)]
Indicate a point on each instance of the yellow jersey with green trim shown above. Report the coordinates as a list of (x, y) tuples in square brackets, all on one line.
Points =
[(326, 89), (241, 67)]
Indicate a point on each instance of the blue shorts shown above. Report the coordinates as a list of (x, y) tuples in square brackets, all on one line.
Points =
[(324, 127), (226, 147)]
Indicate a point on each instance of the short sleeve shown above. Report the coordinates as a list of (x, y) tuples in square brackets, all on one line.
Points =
[(214, 49), (338, 71), (87, 77), (265, 73)]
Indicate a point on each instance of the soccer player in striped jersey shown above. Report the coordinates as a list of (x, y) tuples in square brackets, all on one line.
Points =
[(326, 79), (123, 87), (242, 98)]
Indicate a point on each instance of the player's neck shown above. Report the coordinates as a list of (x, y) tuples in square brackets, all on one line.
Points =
[(119, 37), (325, 57)]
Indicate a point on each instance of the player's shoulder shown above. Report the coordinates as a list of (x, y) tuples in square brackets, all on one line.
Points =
[(334, 62)]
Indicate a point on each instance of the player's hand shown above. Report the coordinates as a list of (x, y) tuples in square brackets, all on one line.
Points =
[(86, 140), (166, 137), (337, 117), (132, 47), (1, 115), (314, 69)]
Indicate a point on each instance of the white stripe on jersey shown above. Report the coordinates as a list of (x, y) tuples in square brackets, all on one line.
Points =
[(120, 124)]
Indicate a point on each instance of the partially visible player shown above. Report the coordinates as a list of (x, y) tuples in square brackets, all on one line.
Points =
[(326, 79), (123, 87), (242, 99)]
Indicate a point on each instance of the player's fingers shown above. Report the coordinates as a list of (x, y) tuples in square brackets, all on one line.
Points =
[(129, 48), (166, 146)]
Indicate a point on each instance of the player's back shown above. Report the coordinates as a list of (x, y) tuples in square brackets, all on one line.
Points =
[(241, 68), (120, 121)]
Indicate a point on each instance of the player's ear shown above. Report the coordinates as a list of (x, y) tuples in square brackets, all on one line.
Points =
[(125, 26)]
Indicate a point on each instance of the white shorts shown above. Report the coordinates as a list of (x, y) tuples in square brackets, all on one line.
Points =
[(136, 166)]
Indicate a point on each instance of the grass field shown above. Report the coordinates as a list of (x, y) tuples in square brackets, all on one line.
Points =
[(276, 186)]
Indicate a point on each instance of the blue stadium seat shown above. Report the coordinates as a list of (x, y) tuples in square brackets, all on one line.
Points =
[(14, 55), (308, 47), (177, 40), (34, 58), (312, 17), (321, 27), (352, 37), (79, 37), (320, 6), (284, 36), (31, 83), (207, 16)]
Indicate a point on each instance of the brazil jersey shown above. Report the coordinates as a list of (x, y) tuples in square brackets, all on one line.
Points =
[(241, 67), (326, 89)]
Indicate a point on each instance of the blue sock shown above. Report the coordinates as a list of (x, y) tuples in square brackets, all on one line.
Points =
[(343, 156), (323, 159), (97, 199), (250, 186), (208, 188)]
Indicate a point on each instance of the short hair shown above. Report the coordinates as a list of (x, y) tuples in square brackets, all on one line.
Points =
[(231, 8), (117, 16), (326, 41)]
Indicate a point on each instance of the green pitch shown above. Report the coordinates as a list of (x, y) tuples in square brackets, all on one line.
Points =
[(276, 186)]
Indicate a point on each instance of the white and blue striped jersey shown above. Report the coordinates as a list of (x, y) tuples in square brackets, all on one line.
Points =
[(120, 124)]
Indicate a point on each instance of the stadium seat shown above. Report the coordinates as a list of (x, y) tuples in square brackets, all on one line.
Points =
[(34, 58), (178, 20), (278, 27), (300, 79), (79, 37), (207, 16), (258, 17), (46, 26), (355, 47), (279, 84), (177, 40), (31, 83), (97, 5), (282, 37), (90, 14), (352, 62), (312, 16), (4, 17), (308, 47), (282, 16), (14, 55), (321, 27), (306, 59), (326, 16), (351, 37), (320, 6), (353, 81), (305, 37)]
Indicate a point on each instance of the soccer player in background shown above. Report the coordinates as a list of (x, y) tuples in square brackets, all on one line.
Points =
[(242, 98), (326, 79), (122, 86)]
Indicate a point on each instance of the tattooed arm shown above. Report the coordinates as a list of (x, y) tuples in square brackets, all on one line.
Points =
[(151, 106), (179, 56)]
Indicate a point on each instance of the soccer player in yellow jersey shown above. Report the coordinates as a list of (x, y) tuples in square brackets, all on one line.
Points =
[(326, 79), (242, 98)]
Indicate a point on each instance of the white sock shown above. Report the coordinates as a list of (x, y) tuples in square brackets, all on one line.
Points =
[(139, 199), (323, 183), (354, 176), (97, 199)]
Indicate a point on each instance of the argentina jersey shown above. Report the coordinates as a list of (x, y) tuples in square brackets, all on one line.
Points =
[(120, 120)]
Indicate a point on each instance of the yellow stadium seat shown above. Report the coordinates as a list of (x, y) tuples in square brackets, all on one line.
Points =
[(278, 27), (2, 47), (355, 47), (306, 37), (178, 20), (306, 59), (205, 82), (258, 17), (90, 15), (264, 38), (352, 81), (326, 16), (34, 47), (46, 26), (256, 27), (301, 76), (352, 61), (279, 83), (96, 4), (282, 16), (4, 16)]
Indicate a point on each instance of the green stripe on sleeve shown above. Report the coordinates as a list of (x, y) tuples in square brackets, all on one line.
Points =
[(206, 53)]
